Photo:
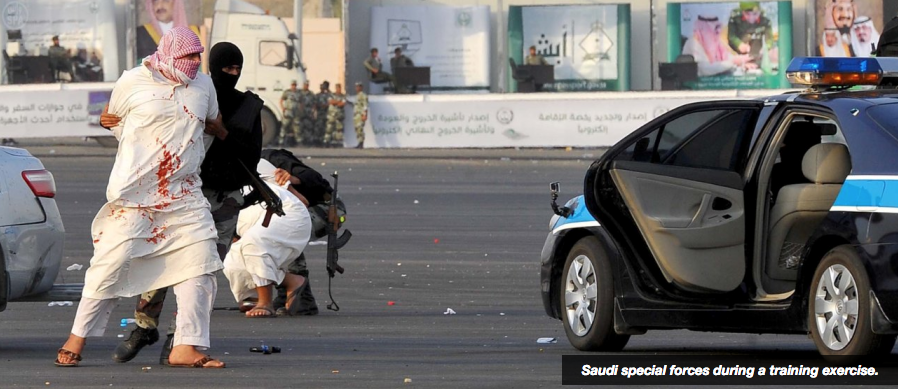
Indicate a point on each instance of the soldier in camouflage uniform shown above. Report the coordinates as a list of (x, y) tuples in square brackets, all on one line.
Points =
[(321, 103), (750, 30), (360, 113), (290, 106), (333, 136), (307, 115)]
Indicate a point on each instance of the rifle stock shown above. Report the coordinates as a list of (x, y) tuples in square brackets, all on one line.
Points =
[(273, 204)]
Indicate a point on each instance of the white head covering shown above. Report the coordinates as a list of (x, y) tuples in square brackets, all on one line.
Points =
[(863, 49), (266, 170), (837, 50), (706, 30)]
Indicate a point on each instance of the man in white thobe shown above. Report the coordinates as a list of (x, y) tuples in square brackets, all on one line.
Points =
[(258, 261), (156, 229)]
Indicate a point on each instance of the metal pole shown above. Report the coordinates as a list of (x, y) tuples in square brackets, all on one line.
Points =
[(653, 71), (297, 26), (502, 34)]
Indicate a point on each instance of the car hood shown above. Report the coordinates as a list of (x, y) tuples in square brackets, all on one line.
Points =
[(14, 151)]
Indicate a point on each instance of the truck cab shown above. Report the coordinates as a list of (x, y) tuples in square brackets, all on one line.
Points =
[(270, 58)]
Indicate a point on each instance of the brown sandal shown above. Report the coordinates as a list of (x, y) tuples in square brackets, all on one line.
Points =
[(201, 364), (74, 356)]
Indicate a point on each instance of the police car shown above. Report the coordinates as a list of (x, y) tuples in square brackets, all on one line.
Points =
[(777, 215)]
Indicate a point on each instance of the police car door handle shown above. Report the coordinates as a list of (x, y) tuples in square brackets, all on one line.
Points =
[(721, 204)]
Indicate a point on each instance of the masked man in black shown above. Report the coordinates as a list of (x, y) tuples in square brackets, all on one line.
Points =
[(222, 176)]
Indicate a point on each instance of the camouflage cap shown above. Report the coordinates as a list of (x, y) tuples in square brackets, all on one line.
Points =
[(749, 5)]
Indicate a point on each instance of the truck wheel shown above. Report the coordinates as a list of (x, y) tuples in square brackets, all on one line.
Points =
[(839, 308), (269, 127), (586, 292)]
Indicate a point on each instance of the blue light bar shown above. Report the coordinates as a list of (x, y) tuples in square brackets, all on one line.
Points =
[(820, 71), (834, 65)]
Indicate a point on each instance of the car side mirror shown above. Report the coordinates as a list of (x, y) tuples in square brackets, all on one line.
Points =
[(555, 188), (290, 56)]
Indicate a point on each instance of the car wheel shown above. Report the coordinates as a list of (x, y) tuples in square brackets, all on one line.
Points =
[(269, 127), (587, 299), (839, 308)]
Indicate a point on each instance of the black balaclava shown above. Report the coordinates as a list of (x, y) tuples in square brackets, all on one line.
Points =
[(888, 40), (222, 55)]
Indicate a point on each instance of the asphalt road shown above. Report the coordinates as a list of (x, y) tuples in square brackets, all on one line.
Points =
[(429, 234)]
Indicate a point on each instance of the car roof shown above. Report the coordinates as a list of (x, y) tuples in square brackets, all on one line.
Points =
[(837, 97), (879, 156)]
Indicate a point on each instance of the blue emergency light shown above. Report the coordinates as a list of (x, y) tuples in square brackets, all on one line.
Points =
[(836, 72)]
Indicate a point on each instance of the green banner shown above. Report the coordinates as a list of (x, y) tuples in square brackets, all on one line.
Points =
[(736, 45), (588, 45)]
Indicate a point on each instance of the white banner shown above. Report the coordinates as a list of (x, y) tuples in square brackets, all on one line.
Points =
[(86, 28), (52, 113), (579, 40), (556, 120), (453, 41)]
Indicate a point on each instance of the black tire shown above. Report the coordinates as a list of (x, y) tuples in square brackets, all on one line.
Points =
[(600, 335), (270, 127), (863, 341)]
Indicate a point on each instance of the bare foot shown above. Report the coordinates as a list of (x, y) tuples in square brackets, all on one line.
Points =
[(260, 311), (187, 355)]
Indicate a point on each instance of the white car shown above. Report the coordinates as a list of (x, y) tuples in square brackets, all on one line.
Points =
[(31, 230)]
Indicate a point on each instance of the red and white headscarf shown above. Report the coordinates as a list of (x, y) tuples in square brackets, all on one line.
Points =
[(169, 59)]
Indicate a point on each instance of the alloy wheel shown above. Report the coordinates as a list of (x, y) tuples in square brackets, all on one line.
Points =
[(580, 297), (836, 307)]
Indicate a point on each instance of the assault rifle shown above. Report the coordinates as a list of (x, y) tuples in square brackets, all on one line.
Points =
[(273, 203), (334, 243)]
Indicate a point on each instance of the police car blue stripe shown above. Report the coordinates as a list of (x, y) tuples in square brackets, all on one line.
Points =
[(579, 218), (868, 192)]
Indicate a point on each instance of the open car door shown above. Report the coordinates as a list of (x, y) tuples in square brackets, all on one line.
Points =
[(682, 183)]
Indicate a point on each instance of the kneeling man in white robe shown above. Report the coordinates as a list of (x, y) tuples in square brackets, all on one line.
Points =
[(258, 261)]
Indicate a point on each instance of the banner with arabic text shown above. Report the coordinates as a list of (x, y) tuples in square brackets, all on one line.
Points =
[(588, 45), (52, 113)]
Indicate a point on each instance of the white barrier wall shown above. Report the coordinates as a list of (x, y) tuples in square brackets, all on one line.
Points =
[(519, 120), (401, 121)]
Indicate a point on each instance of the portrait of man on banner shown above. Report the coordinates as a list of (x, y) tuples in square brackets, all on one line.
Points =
[(734, 45), (847, 28), (158, 17), (731, 38)]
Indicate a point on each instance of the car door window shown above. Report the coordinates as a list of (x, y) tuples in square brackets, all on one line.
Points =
[(709, 139)]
